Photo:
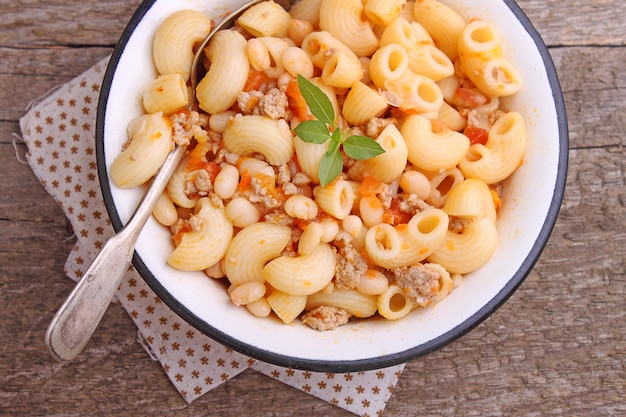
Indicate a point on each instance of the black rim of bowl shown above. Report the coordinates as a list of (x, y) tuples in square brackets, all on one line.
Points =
[(362, 364)]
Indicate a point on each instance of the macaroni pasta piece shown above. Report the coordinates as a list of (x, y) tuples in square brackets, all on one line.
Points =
[(394, 303), (250, 134), (265, 19), (501, 155), (174, 41), (433, 150), (166, 94), (443, 24), (228, 72), (202, 248), (251, 249), (356, 303), (343, 18), (387, 166), (150, 138), (481, 58), (302, 275)]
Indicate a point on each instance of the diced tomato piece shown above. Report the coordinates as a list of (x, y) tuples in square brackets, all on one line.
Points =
[(469, 97), (370, 186), (255, 80), (178, 237), (212, 168), (476, 135), (244, 182), (296, 101), (394, 216)]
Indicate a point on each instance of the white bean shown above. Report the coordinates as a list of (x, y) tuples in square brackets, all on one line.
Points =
[(218, 122), (299, 29), (283, 80), (247, 293), (226, 182), (296, 61), (215, 271), (331, 229), (258, 55), (414, 182), (259, 308), (372, 282), (310, 238), (301, 207), (371, 210), (241, 212), (352, 224), (165, 210), (252, 165)]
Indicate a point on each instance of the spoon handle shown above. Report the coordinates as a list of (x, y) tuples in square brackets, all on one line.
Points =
[(77, 319)]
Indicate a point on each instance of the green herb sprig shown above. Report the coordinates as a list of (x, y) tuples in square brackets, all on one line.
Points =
[(318, 131)]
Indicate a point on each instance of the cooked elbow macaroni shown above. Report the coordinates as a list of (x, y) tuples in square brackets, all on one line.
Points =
[(391, 233)]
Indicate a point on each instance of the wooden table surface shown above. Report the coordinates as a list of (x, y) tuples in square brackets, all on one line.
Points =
[(558, 347)]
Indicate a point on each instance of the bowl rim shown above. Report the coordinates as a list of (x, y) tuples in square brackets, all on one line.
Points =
[(362, 364)]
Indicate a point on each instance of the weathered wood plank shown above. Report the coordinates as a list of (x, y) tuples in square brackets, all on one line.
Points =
[(578, 22), (28, 23), (28, 74), (594, 88)]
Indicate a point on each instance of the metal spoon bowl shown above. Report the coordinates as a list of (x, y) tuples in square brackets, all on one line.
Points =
[(76, 320)]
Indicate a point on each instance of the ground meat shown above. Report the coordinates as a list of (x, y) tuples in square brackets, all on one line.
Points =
[(290, 249), (300, 179), (190, 189), (290, 189), (225, 156), (177, 227), (350, 266), (195, 223), (376, 125), (419, 283), (261, 195), (343, 238), (385, 196), (187, 124), (248, 101), (203, 182), (283, 175), (279, 218), (325, 318), (273, 104), (215, 200), (412, 204), (180, 134), (457, 225), (495, 115)]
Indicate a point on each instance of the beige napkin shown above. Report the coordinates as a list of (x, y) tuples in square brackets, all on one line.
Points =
[(59, 132)]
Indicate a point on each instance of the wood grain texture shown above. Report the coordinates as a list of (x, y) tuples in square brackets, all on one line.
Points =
[(557, 347)]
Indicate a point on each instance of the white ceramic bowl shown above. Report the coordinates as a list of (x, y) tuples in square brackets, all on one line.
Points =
[(531, 202)]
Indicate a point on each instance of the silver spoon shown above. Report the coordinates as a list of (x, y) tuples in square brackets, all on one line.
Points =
[(77, 319)]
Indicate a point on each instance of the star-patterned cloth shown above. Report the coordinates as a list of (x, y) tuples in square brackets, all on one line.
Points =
[(59, 131)]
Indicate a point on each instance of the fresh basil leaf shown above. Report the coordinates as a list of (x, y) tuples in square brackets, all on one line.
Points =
[(313, 131), (362, 147), (335, 139), (318, 102), (331, 164)]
